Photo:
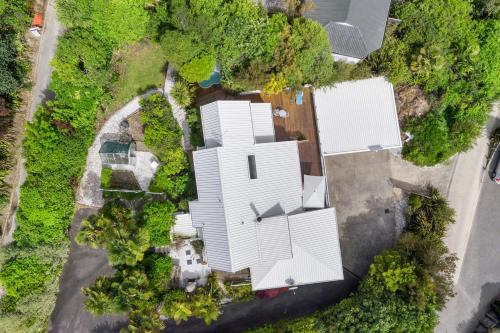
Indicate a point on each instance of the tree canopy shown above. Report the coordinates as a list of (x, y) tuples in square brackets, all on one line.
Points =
[(253, 49)]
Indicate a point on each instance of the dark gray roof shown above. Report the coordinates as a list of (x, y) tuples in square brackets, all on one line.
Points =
[(356, 27)]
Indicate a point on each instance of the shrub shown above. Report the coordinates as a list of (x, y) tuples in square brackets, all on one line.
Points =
[(158, 218), (242, 293), (161, 130), (183, 93), (158, 268), (429, 216), (21, 277), (106, 174), (198, 69)]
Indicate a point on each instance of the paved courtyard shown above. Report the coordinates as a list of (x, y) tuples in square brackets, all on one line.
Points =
[(359, 187)]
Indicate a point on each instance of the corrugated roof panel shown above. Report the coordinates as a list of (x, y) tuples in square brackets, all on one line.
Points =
[(273, 237), (211, 125), (357, 116), (316, 254), (235, 123), (262, 121), (277, 190)]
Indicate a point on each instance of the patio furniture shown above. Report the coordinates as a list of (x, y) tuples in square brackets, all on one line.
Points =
[(278, 112)]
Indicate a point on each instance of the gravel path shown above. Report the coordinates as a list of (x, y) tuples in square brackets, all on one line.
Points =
[(89, 193), (179, 112)]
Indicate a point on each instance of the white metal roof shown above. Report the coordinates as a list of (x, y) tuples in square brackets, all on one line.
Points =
[(357, 116), (273, 238), (316, 254), (236, 123), (257, 222), (314, 191)]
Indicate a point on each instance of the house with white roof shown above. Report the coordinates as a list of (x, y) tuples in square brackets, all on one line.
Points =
[(251, 205), (357, 116)]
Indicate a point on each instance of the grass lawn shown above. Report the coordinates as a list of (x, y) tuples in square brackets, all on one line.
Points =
[(140, 66)]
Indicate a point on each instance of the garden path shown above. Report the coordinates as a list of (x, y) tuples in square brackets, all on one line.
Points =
[(179, 112), (89, 193)]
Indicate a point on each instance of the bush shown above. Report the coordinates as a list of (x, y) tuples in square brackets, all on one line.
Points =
[(21, 277), (158, 218), (161, 130), (106, 174), (198, 69), (158, 268), (242, 293), (183, 93), (429, 216)]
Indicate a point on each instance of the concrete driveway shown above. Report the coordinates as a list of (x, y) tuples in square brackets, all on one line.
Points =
[(360, 189)]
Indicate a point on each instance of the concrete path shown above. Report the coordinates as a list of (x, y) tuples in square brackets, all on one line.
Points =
[(479, 279), (89, 193), (465, 187), (179, 112), (40, 94)]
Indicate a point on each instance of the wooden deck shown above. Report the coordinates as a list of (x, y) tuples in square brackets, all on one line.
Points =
[(301, 119)]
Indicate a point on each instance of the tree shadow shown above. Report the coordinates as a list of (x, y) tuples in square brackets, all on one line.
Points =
[(489, 291)]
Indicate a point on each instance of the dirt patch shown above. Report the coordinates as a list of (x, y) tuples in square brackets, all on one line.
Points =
[(124, 180), (411, 102), (136, 131)]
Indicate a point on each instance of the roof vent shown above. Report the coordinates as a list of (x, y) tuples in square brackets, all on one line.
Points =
[(290, 281), (259, 218)]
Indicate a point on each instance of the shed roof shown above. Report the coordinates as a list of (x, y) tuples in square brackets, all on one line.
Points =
[(355, 27), (357, 116), (115, 147)]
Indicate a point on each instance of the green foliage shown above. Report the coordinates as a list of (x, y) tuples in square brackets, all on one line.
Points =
[(161, 131), (15, 17), (163, 136), (118, 21), (430, 215), (450, 50), (158, 268), (204, 303), (106, 174), (194, 123), (183, 93), (115, 230), (198, 69), (254, 50), (20, 277), (57, 141), (430, 144), (241, 293), (158, 218)]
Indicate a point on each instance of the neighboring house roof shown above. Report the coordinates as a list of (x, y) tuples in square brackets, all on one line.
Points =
[(357, 116), (250, 194), (316, 253), (355, 27)]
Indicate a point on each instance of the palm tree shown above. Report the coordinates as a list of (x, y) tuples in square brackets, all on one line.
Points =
[(92, 231)]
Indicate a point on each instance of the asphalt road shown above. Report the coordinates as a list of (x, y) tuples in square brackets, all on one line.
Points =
[(479, 281)]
